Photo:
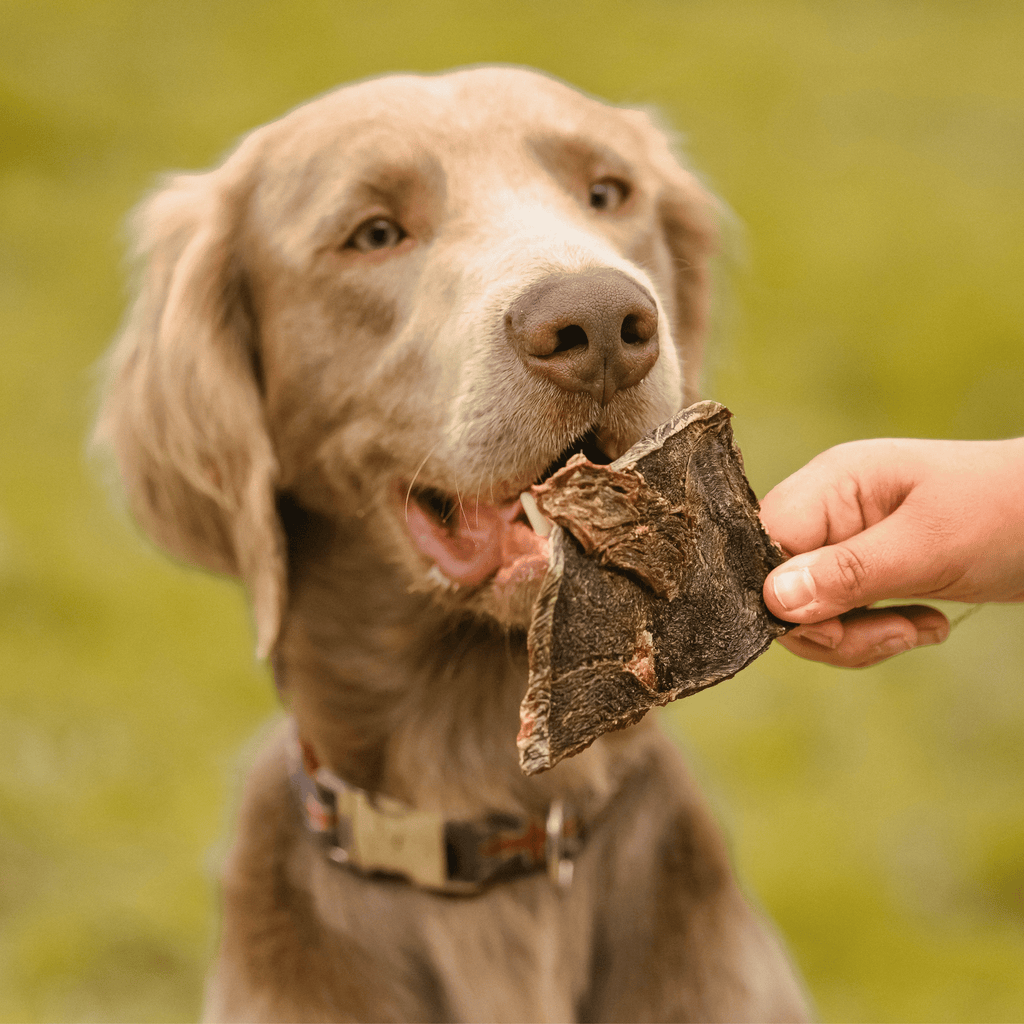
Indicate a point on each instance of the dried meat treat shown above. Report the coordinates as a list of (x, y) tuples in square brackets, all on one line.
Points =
[(653, 588)]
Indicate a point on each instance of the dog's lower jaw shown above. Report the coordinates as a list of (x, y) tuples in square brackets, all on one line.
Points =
[(506, 604)]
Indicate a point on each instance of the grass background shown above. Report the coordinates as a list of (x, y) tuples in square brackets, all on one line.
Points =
[(873, 153)]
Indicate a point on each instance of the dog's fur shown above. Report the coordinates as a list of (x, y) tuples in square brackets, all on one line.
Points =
[(276, 398)]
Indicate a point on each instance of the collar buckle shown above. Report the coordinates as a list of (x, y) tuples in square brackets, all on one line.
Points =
[(375, 834)]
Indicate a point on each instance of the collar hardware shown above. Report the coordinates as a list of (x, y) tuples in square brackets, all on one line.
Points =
[(375, 834)]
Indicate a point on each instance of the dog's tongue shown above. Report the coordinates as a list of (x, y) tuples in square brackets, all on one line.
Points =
[(486, 541)]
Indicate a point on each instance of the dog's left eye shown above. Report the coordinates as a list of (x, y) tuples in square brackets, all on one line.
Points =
[(376, 233), (608, 194)]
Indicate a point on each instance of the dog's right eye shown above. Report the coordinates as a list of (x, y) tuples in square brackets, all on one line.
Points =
[(375, 233), (608, 194)]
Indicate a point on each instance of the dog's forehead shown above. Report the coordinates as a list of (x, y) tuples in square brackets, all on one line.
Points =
[(455, 117), (474, 100)]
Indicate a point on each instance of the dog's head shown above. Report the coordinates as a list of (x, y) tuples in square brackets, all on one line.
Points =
[(402, 304)]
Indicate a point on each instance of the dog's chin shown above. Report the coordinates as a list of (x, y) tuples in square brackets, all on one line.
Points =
[(508, 603)]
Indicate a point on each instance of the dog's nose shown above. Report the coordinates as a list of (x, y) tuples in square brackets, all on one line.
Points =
[(594, 331)]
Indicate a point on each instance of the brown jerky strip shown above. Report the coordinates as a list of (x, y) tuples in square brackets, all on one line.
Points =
[(653, 588)]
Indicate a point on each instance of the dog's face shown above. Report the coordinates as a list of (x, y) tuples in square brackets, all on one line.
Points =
[(403, 304)]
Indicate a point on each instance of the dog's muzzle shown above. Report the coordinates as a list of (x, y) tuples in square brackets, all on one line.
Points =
[(376, 835)]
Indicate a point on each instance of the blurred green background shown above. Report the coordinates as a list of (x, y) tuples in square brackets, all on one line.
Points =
[(873, 153)]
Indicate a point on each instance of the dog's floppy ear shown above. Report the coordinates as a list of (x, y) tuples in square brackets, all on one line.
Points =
[(690, 217), (182, 408)]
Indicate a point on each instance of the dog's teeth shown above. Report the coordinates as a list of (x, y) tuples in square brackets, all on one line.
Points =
[(538, 521), (436, 576)]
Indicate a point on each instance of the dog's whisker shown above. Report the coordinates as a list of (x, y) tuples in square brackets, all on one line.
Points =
[(458, 500), (490, 480), (412, 482), (492, 476)]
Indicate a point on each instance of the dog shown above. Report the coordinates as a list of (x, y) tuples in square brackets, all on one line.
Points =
[(354, 345)]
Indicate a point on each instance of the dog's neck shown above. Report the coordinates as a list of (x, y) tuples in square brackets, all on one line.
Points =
[(393, 693)]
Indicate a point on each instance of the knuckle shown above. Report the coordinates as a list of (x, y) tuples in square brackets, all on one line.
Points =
[(852, 574)]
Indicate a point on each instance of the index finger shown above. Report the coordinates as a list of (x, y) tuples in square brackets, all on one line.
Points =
[(837, 495)]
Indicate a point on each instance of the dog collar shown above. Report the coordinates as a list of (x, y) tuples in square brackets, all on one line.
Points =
[(374, 834)]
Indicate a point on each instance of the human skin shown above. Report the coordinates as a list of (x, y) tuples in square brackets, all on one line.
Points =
[(888, 518)]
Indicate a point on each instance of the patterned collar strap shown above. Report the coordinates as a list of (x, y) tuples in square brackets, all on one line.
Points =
[(374, 834)]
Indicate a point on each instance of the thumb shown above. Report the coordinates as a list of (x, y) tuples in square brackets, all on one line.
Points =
[(893, 558)]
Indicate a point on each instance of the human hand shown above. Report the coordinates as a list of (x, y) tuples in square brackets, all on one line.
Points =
[(880, 519)]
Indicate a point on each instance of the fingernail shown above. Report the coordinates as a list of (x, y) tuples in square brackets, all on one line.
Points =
[(887, 648), (794, 588), (816, 636), (931, 636)]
